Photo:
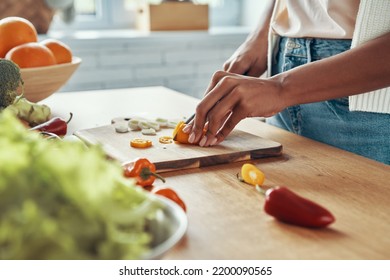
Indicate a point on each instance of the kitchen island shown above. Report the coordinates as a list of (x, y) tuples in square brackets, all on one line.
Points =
[(226, 219)]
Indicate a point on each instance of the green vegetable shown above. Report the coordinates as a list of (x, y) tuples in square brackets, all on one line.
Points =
[(60, 200), (10, 99), (10, 80), (31, 112)]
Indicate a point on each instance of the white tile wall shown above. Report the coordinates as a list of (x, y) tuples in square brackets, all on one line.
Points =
[(183, 61)]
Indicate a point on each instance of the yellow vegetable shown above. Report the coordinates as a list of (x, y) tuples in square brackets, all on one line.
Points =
[(178, 134), (250, 174), (165, 140), (140, 143)]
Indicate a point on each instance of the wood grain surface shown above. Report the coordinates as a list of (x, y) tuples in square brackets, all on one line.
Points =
[(238, 146), (226, 219)]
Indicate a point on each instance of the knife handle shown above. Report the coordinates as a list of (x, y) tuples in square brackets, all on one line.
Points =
[(190, 119)]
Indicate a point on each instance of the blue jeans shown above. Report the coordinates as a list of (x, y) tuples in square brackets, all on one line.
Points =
[(330, 122)]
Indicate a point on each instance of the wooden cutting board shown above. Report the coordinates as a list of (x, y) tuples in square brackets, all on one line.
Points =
[(238, 146)]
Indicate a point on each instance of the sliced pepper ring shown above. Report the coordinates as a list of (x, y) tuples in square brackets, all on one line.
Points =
[(140, 143), (250, 174), (165, 140)]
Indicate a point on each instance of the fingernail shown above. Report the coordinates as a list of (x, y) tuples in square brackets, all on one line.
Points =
[(214, 141), (191, 138), (187, 128), (203, 141)]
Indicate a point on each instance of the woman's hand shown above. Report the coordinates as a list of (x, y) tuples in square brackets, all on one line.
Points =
[(232, 97), (229, 99), (249, 59)]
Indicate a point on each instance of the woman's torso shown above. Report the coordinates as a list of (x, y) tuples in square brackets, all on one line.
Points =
[(316, 18)]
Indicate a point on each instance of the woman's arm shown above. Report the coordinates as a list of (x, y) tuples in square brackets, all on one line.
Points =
[(231, 97), (251, 57), (362, 69)]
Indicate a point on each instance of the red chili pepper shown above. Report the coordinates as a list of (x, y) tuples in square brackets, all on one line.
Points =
[(56, 126), (172, 195), (288, 207), (142, 170)]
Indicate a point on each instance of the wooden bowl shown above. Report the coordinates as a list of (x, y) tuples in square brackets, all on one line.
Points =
[(41, 82)]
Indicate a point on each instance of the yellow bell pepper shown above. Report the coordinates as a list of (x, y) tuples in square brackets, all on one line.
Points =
[(250, 174)]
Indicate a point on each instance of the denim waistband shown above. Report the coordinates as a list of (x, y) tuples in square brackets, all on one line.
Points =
[(313, 48), (330, 121)]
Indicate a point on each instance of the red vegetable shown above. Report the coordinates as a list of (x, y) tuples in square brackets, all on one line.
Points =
[(56, 126), (288, 207), (142, 170), (172, 195)]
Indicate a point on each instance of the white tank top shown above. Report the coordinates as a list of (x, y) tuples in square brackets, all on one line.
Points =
[(316, 18)]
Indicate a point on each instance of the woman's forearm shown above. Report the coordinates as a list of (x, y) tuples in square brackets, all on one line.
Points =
[(262, 30), (251, 57), (362, 69)]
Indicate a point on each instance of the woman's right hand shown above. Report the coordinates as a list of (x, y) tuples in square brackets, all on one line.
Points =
[(229, 99)]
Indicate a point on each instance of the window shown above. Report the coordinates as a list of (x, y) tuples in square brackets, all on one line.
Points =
[(117, 14), (93, 14), (86, 7)]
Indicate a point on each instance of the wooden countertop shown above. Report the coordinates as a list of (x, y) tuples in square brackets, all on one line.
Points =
[(226, 217)]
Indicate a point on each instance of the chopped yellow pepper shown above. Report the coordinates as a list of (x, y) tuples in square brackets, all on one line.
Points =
[(250, 174), (140, 143)]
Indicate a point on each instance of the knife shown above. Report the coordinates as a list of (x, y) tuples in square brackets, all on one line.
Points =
[(190, 119)]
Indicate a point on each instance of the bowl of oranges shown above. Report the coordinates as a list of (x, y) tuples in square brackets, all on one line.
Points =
[(45, 66)]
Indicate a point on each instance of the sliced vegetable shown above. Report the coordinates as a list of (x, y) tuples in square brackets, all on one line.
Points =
[(178, 134), (133, 124), (165, 140), (154, 125), (162, 122), (121, 128), (142, 170), (250, 174), (140, 143), (171, 124), (148, 131), (143, 124), (138, 123)]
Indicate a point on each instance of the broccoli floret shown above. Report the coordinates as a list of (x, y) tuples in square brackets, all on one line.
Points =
[(11, 100), (10, 80)]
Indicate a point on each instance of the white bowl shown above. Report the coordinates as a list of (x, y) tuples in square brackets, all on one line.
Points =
[(41, 82)]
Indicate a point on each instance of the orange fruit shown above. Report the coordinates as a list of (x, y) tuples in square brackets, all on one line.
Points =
[(31, 55), (61, 51), (15, 31)]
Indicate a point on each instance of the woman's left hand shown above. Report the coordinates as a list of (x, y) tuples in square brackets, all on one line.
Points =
[(229, 99)]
